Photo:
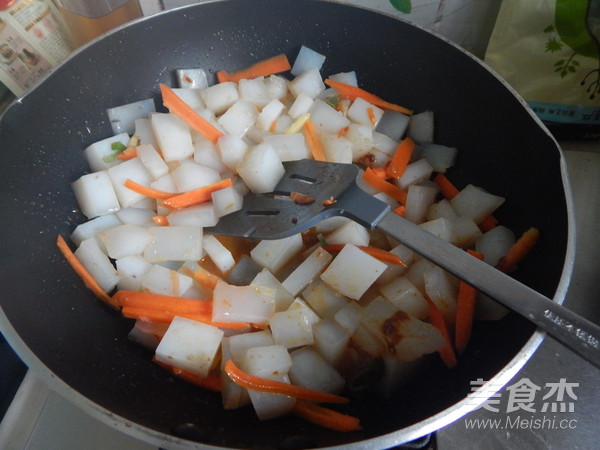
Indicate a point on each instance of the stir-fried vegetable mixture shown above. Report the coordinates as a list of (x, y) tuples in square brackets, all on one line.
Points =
[(285, 325)]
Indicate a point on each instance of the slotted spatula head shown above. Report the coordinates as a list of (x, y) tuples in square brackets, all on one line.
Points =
[(310, 191)]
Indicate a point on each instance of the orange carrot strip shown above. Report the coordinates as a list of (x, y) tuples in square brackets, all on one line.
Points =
[(212, 381), (380, 172), (83, 273), (313, 141), (488, 223), (401, 157), (222, 76), (380, 254), (273, 126), (518, 250), (186, 113), (196, 196), (160, 302), (205, 278), (278, 387), (448, 190), (342, 131), (352, 93), (437, 320), (400, 210), (325, 417), (276, 64), (162, 221), (377, 182), (156, 315), (146, 191), (127, 154), (465, 311)]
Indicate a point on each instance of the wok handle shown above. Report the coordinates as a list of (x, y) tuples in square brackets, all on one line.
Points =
[(572, 330)]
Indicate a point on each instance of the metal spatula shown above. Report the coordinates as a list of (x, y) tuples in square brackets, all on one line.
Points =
[(311, 191)]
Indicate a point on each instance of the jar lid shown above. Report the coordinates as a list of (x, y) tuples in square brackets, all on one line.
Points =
[(4, 4)]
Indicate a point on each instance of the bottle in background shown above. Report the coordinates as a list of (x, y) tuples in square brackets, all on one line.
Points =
[(87, 19)]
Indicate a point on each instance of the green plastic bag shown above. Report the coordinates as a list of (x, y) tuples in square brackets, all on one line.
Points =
[(548, 50)]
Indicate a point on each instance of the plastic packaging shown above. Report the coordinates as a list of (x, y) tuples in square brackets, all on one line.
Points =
[(32, 41)]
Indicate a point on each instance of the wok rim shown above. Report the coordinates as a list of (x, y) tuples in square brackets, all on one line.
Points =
[(433, 423)]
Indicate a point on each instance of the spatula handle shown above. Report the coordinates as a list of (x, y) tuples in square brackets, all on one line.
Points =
[(574, 331)]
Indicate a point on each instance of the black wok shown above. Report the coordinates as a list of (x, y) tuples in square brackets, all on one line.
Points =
[(62, 332)]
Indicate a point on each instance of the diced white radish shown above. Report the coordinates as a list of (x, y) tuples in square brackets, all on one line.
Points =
[(148, 340), (269, 406), (255, 304), (283, 298), (146, 203), (309, 82), (191, 96), (289, 147), (365, 340), (261, 169), (238, 118), (442, 209), (125, 240), (441, 157), (240, 343), (95, 194), (336, 148), (418, 200), (274, 254), (323, 299), (466, 232), (255, 135), (361, 137), (269, 114), (405, 295), (345, 77), (218, 253), (353, 271), (442, 228), (384, 143), (311, 370), (301, 105), (233, 395), (393, 124), (201, 215), (132, 169), (136, 216), (276, 86), (100, 155), (421, 127), (152, 161), (190, 176), (364, 113), (190, 345), (221, 96), (415, 172), (143, 130), (350, 233), (243, 272), (349, 316), (226, 201), (161, 280), (122, 118), (475, 202), (92, 227), (254, 91), (440, 289), (165, 184), (331, 340), (416, 271), (494, 244), (192, 78), (173, 136), (293, 327), (310, 268), (97, 264), (232, 149), (307, 59), (406, 255), (327, 118), (174, 243), (131, 270), (206, 154)]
